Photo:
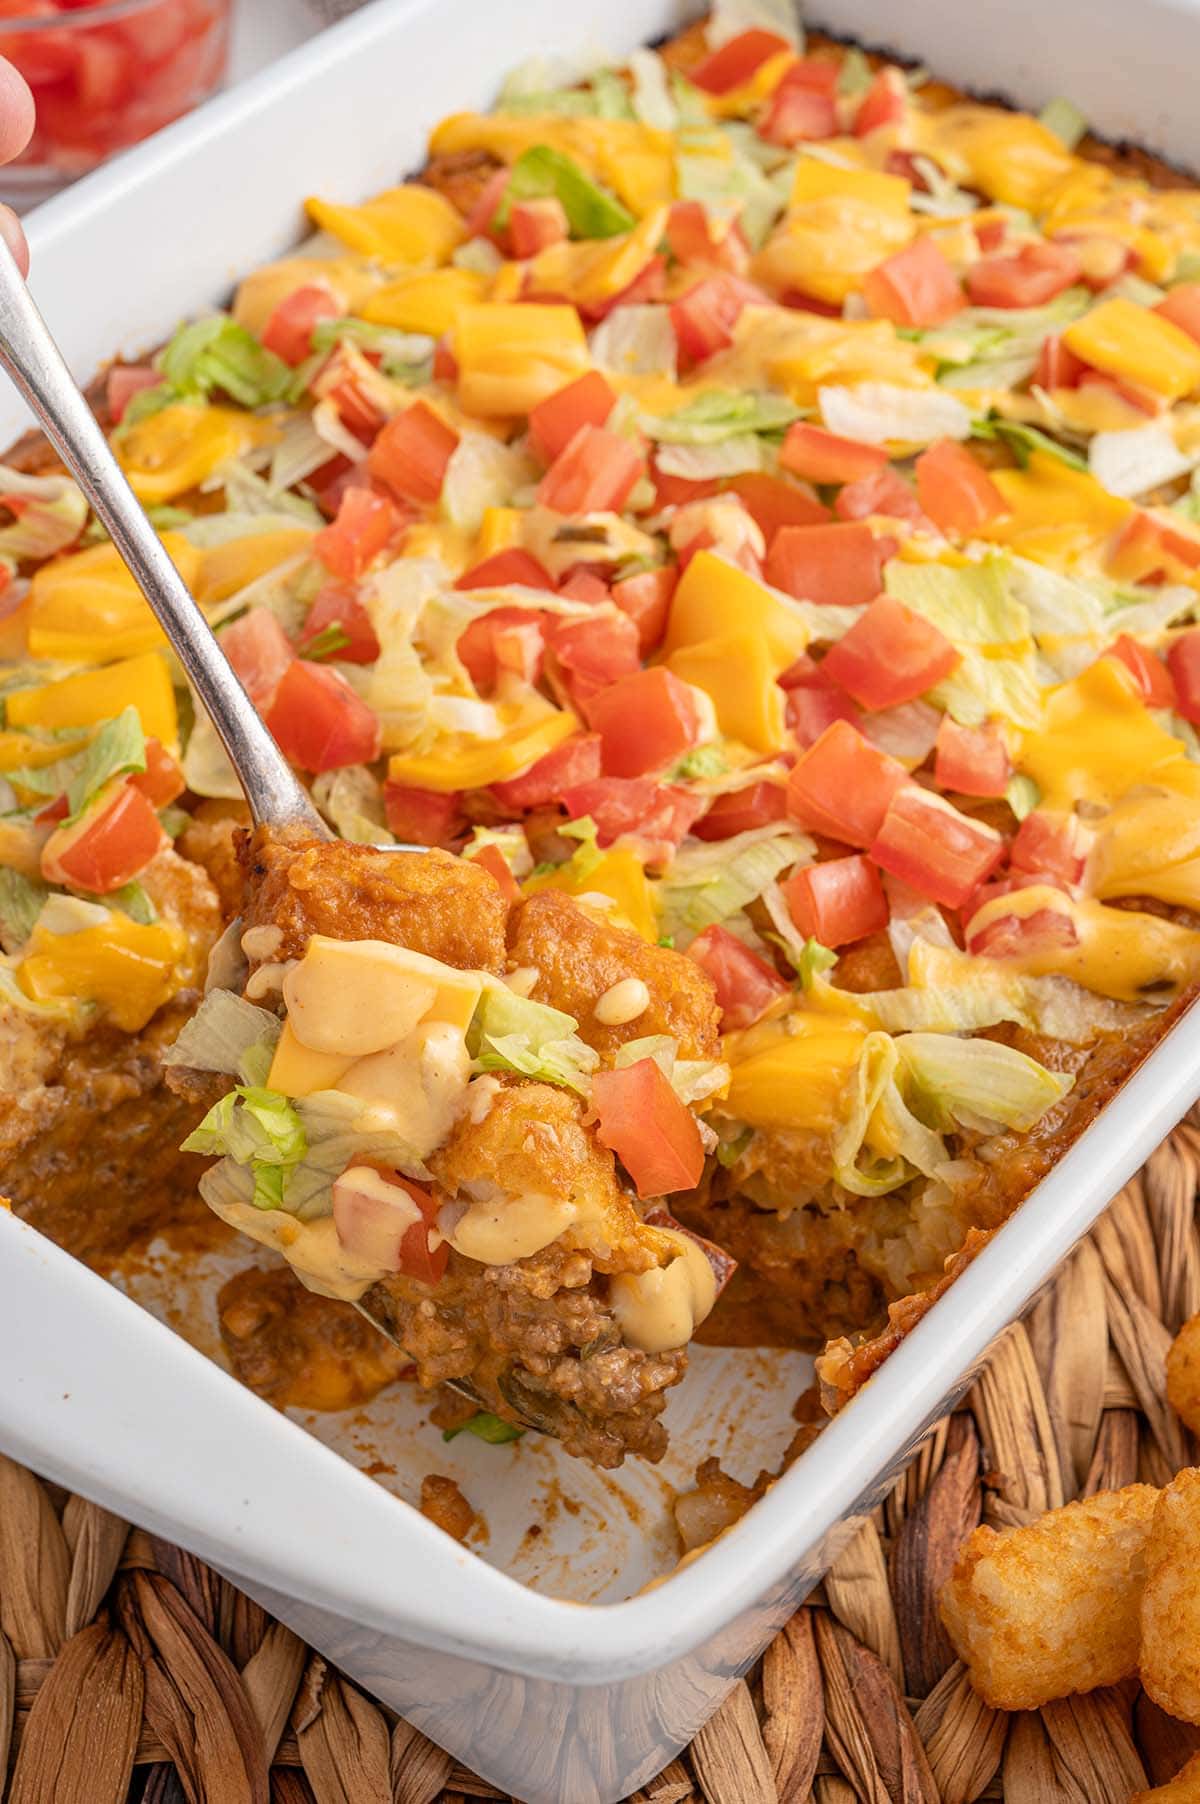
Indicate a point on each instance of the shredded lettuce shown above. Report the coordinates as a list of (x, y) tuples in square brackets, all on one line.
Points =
[(259, 1129), (707, 884), (717, 169), (977, 1083), (950, 991), (635, 341), (980, 687), (720, 413), (351, 799), (971, 603), (733, 456), (511, 844), (1054, 603), (729, 18), (118, 748), (66, 1011), (49, 513), (21, 900), (513, 1033), (1134, 461), (903, 1143), (217, 353), (1064, 119), (879, 412), (486, 1427), (652, 102), (693, 1080), (592, 211), (227, 1034), (206, 767), (482, 472), (136, 902), (1022, 795), (1023, 440)]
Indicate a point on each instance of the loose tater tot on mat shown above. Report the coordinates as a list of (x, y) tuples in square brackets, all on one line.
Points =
[(1043, 1611), (1184, 1788), (1183, 1374), (1170, 1657)]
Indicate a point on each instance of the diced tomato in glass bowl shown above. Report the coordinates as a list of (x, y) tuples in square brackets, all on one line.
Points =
[(104, 75)]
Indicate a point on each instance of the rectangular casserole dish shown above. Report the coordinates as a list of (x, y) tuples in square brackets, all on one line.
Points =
[(102, 1397)]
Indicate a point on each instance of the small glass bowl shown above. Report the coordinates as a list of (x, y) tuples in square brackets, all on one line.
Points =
[(105, 74)]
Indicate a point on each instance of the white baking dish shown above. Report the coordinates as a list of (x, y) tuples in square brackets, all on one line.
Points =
[(563, 1704)]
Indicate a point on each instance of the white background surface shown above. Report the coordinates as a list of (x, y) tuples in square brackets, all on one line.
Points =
[(265, 29)]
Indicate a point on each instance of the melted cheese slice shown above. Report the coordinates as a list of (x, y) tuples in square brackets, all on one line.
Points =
[(1120, 953), (793, 1072), (1098, 740)]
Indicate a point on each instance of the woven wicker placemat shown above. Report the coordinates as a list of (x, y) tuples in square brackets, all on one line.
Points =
[(130, 1670)]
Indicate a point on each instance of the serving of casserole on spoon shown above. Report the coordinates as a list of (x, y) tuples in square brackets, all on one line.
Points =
[(434, 1079)]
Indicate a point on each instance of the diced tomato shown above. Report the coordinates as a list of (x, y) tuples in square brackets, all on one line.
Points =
[(595, 473), (572, 762), (422, 817), (1153, 678), (504, 567), (640, 1119), (813, 707), (884, 103), (534, 225), (379, 1228), (990, 232), (837, 564), (741, 810), (843, 786), (583, 584), (162, 780), (772, 502), (973, 761), (1019, 936), (289, 330), (1145, 546), (1052, 846), (679, 491), (481, 218), (705, 316), (914, 287), (649, 285), (1143, 399), (746, 985), (800, 111), (503, 639), (1102, 260), (114, 839), (820, 456), (882, 492), (646, 599), (260, 652), (930, 845), (124, 382), (343, 609), (1181, 305), (955, 490), (658, 814), (838, 901), (411, 453), (445, 363), (343, 382), (645, 722), (891, 654), (1032, 277), (1183, 662), (553, 423), (692, 239), (735, 61), (601, 649), (496, 865), (319, 721), (366, 522)]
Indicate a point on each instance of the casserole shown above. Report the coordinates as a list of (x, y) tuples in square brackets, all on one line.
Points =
[(621, 1735)]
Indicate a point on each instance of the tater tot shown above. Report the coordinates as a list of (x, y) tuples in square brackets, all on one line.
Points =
[(1183, 1374), (1052, 1608), (1184, 1788), (1170, 1657)]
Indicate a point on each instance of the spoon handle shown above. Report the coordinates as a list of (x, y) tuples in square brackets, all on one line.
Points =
[(30, 356)]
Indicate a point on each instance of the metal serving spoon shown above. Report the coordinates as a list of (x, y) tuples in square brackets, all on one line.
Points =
[(277, 799)]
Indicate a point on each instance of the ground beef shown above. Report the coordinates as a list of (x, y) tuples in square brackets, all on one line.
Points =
[(444, 907), (298, 1349), (578, 955), (539, 1346), (445, 1505)]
